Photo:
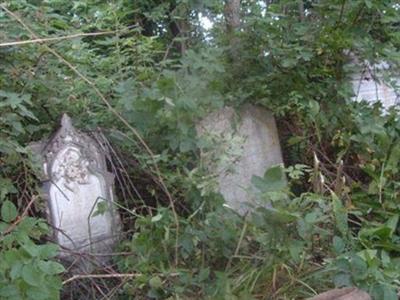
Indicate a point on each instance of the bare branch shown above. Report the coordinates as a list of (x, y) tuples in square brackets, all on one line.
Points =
[(92, 276), (116, 275), (66, 37)]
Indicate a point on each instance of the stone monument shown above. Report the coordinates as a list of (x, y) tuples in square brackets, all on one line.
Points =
[(254, 127), (369, 85), (76, 183)]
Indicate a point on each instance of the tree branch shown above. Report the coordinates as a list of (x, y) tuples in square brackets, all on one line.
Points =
[(116, 275), (60, 38)]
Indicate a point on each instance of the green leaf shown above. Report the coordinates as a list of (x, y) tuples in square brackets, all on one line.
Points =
[(338, 244), (389, 293), (368, 254), (358, 267), (203, 274), (11, 256), (9, 291), (278, 216), (51, 267), (392, 224), (49, 250), (6, 187), (273, 180), (368, 3), (156, 218), (31, 275), (155, 282), (16, 270), (295, 140), (380, 233), (289, 62), (314, 107), (342, 280), (385, 259), (101, 209), (340, 213), (41, 292), (31, 248), (296, 248), (8, 211)]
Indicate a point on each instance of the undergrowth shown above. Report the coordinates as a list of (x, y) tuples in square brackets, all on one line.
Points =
[(332, 223)]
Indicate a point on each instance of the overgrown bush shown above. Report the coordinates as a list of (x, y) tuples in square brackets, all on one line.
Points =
[(146, 82)]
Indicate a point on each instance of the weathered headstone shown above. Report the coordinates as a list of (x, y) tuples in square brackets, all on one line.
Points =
[(260, 150), (368, 85), (76, 183)]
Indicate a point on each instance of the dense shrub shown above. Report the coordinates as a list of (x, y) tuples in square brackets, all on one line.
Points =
[(145, 83)]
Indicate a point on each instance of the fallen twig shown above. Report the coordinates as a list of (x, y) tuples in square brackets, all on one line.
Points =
[(116, 275), (66, 37), (92, 276)]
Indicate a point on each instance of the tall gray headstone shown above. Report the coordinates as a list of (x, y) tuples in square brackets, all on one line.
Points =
[(254, 128), (76, 183)]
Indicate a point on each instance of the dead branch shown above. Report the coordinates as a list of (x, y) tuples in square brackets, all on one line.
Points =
[(66, 37), (117, 275), (92, 276)]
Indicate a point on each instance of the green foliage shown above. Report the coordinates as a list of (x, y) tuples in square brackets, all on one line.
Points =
[(332, 222), (27, 270)]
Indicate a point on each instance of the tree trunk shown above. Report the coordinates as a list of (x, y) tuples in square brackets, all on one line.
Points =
[(179, 26), (232, 19), (232, 15), (301, 10)]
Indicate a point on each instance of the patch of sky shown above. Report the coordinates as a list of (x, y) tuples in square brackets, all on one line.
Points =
[(205, 22)]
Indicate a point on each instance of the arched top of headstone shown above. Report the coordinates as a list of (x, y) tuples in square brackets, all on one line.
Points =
[(76, 143), (66, 121)]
